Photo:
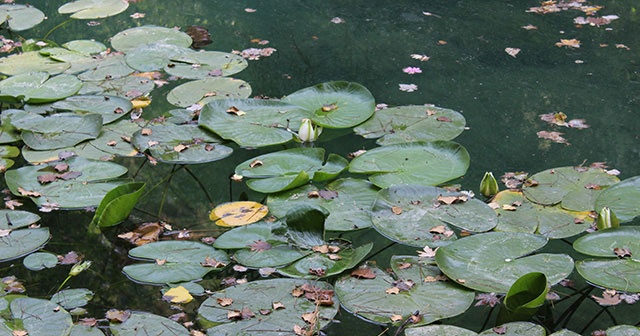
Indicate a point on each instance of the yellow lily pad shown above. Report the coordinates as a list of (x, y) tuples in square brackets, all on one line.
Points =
[(238, 213), (177, 295)]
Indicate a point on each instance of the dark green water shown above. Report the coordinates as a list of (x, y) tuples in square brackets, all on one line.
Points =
[(500, 96)]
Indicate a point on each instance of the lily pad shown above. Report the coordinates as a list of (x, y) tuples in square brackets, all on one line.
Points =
[(575, 188), (412, 123), (439, 330), (31, 61), (77, 192), (508, 329), (382, 298), (117, 204), (38, 87), (40, 317), (143, 324), (72, 298), (602, 243), (17, 239), (269, 306), (320, 265), (174, 261), (130, 39), (87, 47), (238, 213), (347, 200), (335, 104), (184, 144), (290, 168), (111, 108), (622, 198), (154, 56), (205, 90), (492, 262), (422, 163), (20, 17), (252, 122), (517, 214), (129, 87), (93, 9), (197, 65), (40, 260), (7, 152), (8, 133), (421, 216), (620, 274), (59, 130), (109, 67)]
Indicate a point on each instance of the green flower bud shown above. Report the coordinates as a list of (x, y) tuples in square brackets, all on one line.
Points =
[(489, 185), (607, 219), (79, 268), (308, 132)]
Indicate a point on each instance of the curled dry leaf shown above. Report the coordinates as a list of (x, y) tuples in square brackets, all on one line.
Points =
[(513, 52), (427, 252), (622, 252), (277, 305), (28, 193), (212, 262), (396, 318), (553, 136), (255, 163), (392, 290), (224, 301), (448, 200), (118, 316), (310, 318), (608, 298), (396, 210), (363, 273), (569, 43), (260, 246)]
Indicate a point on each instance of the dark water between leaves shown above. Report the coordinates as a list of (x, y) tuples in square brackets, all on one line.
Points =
[(468, 70)]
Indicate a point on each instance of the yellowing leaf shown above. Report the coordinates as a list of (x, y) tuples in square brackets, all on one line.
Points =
[(569, 43), (238, 213), (177, 295), (141, 102)]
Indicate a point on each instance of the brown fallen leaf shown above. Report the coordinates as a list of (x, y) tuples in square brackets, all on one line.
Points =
[(115, 315), (224, 301), (569, 43), (448, 200), (324, 249), (212, 262), (255, 163), (513, 52), (260, 246), (396, 318), (553, 136), (392, 290), (622, 252), (310, 318), (146, 131), (180, 148), (396, 210), (608, 298), (427, 252), (277, 305)]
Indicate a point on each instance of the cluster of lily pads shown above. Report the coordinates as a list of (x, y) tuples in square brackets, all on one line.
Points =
[(76, 106)]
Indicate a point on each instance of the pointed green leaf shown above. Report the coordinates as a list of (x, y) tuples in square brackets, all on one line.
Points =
[(117, 204)]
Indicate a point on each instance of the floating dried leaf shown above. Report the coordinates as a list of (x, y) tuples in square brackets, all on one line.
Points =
[(224, 301), (259, 246), (512, 51), (396, 210), (363, 273)]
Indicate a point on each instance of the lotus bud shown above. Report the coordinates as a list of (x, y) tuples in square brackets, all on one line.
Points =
[(308, 132), (79, 268), (489, 185), (607, 219)]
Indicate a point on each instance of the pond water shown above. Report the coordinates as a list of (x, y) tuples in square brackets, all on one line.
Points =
[(371, 42)]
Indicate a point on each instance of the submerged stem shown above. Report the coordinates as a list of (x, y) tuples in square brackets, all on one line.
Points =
[(55, 28)]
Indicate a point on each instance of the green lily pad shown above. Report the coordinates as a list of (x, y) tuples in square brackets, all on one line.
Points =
[(619, 274), (622, 199), (412, 123), (320, 265), (602, 243), (575, 188), (8, 133), (374, 299), (93, 9), (411, 215), (38, 87), (197, 65), (184, 144), (29, 62), (7, 152), (59, 130), (143, 324), (108, 68), (20, 240), (182, 261), (422, 163), (117, 204), (40, 317), (492, 262), (261, 296), (517, 214), (85, 190), (87, 47), (439, 330), (40, 260), (111, 108), (154, 56), (623, 330), (20, 17), (348, 201), (256, 123), (72, 298), (290, 168), (129, 87), (205, 90), (83, 330), (335, 104), (130, 39), (517, 329)]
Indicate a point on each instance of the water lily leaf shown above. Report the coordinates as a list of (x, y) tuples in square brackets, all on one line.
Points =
[(72, 298), (183, 144), (524, 298), (290, 168), (415, 215), (130, 39), (17, 240), (412, 123), (175, 261), (238, 213), (38, 87), (622, 199), (422, 163), (320, 265), (620, 274), (80, 60), (516, 329), (335, 104), (348, 201), (111, 108), (306, 225), (205, 90), (86, 190), (564, 332), (15, 219), (93, 9), (83, 330), (8, 133), (110, 67), (602, 243), (517, 214), (435, 300), (40, 260), (20, 17), (7, 152), (59, 130), (623, 330), (31, 61), (142, 324), (154, 56), (576, 188), (439, 330), (129, 87), (492, 262), (197, 65), (258, 299), (117, 204), (87, 47), (251, 122), (40, 317)]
